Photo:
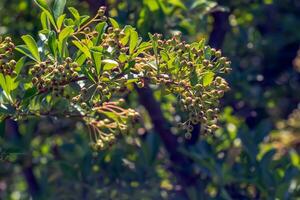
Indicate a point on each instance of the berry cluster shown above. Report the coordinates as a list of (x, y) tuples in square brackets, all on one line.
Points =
[(48, 76), (105, 60), (105, 128), (293, 120), (190, 72), (7, 65)]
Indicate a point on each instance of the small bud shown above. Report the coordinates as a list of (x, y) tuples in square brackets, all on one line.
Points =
[(34, 80), (7, 39), (205, 62), (83, 105), (69, 60), (87, 29), (218, 54)]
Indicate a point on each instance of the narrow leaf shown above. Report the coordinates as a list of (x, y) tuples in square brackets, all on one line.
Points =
[(60, 21), (100, 28), (114, 23), (52, 43), (82, 48), (44, 21), (66, 32), (58, 8), (208, 78), (133, 41), (32, 46), (109, 64), (24, 50), (74, 12), (96, 55), (44, 6), (20, 64)]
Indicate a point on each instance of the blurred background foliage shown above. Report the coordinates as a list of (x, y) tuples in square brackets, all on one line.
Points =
[(255, 153)]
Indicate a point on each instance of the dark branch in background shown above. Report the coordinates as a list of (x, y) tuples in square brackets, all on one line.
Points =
[(220, 27), (162, 127), (94, 5), (13, 134)]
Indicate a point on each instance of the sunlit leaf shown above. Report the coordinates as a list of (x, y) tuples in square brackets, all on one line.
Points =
[(60, 21), (32, 46), (114, 23), (74, 12), (109, 64), (20, 64), (133, 40), (208, 77), (82, 48), (52, 43), (97, 56), (58, 8)]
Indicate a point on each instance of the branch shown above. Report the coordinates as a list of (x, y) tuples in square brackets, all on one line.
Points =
[(162, 127), (220, 28), (12, 131)]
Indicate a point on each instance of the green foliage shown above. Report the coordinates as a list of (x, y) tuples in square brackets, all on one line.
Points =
[(90, 80), (254, 154)]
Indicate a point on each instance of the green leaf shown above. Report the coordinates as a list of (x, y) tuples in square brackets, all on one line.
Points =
[(109, 64), (82, 48), (164, 55), (193, 78), (114, 23), (129, 65), (3, 83), (127, 31), (52, 43), (20, 64), (83, 19), (152, 5), (154, 44), (133, 40), (81, 59), (69, 22), (44, 21), (88, 74), (208, 78), (295, 158), (113, 116), (100, 28), (177, 3), (24, 50), (66, 32), (60, 21), (142, 47), (133, 80), (96, 55), (44, 6), (11, 83), (58, 8), (74, 12), (122, 57), (32, 46)]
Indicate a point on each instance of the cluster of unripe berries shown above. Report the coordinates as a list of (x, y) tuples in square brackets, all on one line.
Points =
[(105, 129), (202, 105), (189, 71), (48, 76), (179, 63), (293, 120), (174, 66), (7, 65)]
